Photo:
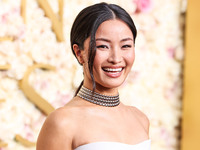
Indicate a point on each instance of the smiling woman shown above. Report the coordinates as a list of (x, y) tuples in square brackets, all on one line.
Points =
[(102, 39)]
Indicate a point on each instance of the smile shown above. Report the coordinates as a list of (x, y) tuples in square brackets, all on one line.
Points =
[(112, 69), (113, 72)]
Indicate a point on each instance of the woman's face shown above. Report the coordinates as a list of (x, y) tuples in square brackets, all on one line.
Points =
[(114, 54)]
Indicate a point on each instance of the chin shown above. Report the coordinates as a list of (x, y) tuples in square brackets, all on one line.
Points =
[(110, 85)]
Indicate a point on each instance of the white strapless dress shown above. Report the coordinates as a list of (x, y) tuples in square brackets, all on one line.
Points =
[(145, 145)]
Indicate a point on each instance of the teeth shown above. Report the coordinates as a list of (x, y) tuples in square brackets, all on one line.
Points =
[(114, 70)]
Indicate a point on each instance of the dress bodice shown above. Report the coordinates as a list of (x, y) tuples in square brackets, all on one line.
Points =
[(145, 145)]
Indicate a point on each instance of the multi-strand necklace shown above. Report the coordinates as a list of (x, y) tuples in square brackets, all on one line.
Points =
[(97, 98)]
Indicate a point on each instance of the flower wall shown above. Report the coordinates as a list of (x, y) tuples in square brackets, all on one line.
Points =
[(153, 85)]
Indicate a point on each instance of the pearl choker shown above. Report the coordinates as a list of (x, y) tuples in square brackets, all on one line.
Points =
[(99, 99)]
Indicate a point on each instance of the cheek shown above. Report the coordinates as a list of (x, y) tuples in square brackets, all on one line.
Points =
[(99, 58), (130, 57)]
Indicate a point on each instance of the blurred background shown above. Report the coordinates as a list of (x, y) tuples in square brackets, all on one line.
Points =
[(38, 72)]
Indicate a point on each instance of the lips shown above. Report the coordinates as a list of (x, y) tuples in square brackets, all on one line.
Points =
[(113, 72)]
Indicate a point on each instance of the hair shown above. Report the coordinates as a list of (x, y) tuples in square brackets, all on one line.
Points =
[(86, 24)]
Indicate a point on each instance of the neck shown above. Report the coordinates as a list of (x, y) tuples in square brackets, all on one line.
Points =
[(98, 98), (101, 89)]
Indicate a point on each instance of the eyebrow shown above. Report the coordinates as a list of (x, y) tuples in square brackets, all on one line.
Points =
[(126, 39), (107, 40)]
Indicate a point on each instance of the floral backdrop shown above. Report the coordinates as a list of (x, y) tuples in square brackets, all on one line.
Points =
[(153, 85)]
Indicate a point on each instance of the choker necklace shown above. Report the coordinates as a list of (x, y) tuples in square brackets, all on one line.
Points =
[(97, 98)]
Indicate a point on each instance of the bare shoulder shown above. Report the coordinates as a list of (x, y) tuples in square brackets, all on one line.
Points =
[(141, 117), (58, 130)]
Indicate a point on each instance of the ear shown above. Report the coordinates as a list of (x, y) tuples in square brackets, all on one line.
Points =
[(78, 54)]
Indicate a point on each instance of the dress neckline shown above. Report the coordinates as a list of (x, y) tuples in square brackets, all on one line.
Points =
[(112, 142)]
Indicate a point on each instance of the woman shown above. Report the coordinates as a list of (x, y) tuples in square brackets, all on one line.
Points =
[(102, 39)]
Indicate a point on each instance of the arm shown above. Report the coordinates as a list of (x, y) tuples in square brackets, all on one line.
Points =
[(142, 118), (57, 132), (145, 122)]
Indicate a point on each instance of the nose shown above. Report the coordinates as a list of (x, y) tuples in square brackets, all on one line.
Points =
[(115, 56)]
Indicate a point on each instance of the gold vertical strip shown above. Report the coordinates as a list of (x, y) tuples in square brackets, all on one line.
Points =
[(191, 97), (23, 10), (61, 8)]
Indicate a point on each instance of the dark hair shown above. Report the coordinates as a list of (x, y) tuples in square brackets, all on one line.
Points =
[(87, 23)]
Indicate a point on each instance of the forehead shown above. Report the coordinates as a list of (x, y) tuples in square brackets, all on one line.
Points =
[(114, 28)]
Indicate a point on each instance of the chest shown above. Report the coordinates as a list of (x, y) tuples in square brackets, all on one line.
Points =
[(126, 129)]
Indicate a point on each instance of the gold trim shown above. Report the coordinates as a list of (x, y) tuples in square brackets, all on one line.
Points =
[(2, 100), (3, 144), (30, 92), (5, 67), (6, 38), (23, 10), (57, 22), (24, 141)]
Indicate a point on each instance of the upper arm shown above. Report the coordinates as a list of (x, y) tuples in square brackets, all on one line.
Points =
[(145, 122), (143, 119), (56, 133)]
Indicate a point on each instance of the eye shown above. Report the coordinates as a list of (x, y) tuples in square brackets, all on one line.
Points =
[(127, 46), (102, 46)]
